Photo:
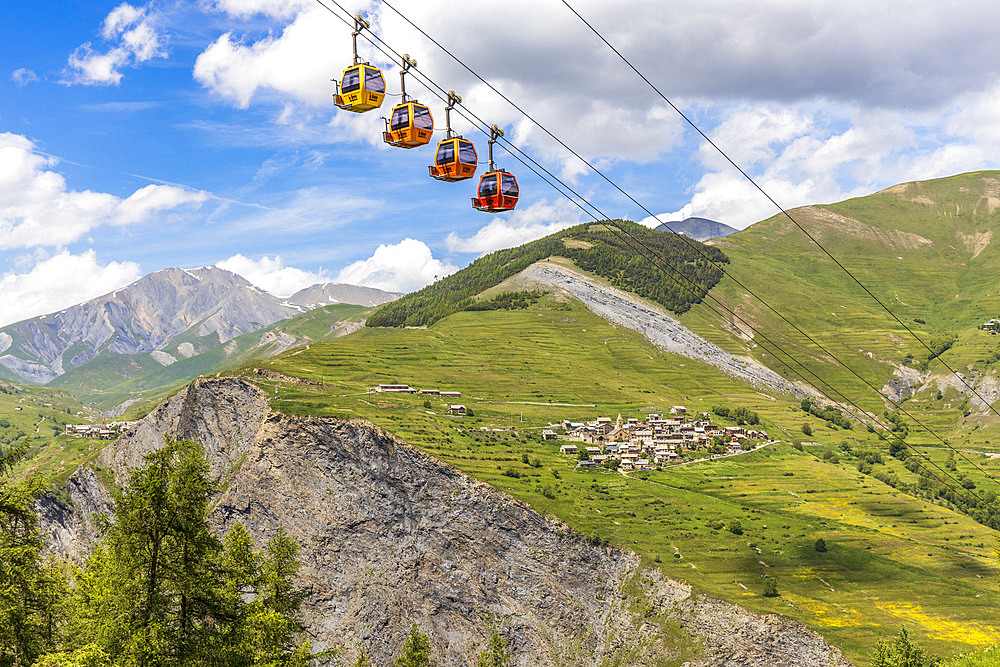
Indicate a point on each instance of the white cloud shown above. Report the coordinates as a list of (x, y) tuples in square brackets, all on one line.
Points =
[(23, 76), (271, 274), (58, 282), (38, 209), (297, 64), (132, 32), (402, 267), (799, 156), (273, 8), (523, 225)]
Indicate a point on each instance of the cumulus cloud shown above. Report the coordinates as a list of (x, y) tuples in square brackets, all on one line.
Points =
[(58, 282), (401, 267), (38, 209), (271, 274), (132, 39), (523, 225), (799, 157), (22, 76), (295, 64)]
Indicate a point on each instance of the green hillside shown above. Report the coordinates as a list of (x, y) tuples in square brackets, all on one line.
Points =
[(597, 248), (925, 249), (893, 558)]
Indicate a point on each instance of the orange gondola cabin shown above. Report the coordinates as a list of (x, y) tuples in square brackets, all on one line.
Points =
[(411, 123), (361, 86), (455, 158)]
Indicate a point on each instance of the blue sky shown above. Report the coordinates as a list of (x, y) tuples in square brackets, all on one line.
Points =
[(137, 136)]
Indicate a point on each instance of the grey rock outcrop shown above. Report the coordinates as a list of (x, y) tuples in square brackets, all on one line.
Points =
[(72, 521), (391, 535)]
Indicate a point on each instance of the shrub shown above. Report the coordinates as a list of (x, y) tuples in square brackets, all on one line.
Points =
[(770, 587), (821, 545), (735, 527), (807, 429)]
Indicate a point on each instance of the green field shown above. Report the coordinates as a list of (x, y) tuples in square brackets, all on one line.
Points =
[(40, 414), (893, 559)]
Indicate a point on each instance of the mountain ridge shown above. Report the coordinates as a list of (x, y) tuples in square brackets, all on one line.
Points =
[(700, 229), (169, 314)]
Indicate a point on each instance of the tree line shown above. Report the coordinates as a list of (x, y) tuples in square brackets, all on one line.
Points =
[(160, 589), (596, 248)]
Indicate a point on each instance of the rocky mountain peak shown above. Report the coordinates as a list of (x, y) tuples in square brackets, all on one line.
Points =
[(157, 312)]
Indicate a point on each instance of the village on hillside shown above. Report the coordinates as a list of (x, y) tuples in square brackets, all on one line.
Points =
[(106, 431), (631, 444)]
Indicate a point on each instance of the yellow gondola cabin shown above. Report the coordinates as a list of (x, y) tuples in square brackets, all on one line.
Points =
[(361, 86)]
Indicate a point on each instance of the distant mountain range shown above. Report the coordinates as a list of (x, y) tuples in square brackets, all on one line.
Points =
[(700, 229), (166, 316)]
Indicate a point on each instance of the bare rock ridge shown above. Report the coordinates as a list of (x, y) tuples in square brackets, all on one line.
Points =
[(700, 229), (656, 325), (326, 294), (391, 535)]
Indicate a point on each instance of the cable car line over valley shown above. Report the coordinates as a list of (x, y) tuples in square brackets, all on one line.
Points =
[(494, 136), (684, 238)]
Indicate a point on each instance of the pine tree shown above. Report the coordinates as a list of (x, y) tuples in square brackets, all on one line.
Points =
[(495, 654), (161, 589), (416, 650)]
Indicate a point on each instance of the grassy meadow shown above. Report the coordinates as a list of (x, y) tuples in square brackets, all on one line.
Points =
[(40, 414), (891, 559)]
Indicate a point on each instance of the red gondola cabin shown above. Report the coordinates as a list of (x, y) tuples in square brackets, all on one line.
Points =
[(497, 192)]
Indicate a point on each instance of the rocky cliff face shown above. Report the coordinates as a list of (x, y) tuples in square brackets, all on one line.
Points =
[(390, 535)]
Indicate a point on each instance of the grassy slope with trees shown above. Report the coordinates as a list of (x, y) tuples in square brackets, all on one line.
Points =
[(892, 558), (593, 247)]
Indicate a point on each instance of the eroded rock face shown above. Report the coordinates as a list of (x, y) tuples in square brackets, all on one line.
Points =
[(72, 522), (391, 535)]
